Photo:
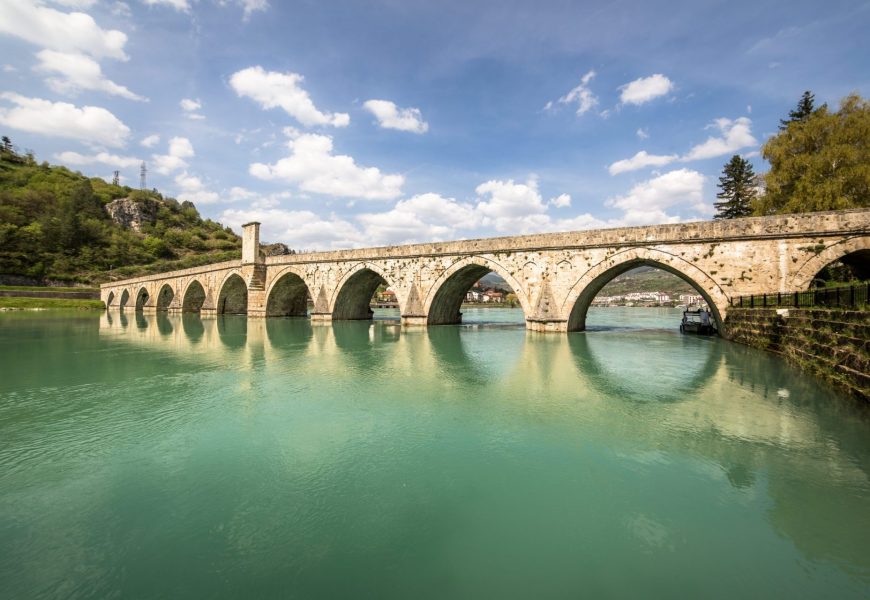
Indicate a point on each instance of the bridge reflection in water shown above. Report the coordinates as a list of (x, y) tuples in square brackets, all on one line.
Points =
[(651, 398)]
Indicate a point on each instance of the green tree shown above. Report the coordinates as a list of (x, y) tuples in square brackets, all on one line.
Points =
[(805, 107), (7, 144), (737, 185), (821, 162)]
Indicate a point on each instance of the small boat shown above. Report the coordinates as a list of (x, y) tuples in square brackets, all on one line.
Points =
[(698, 321)]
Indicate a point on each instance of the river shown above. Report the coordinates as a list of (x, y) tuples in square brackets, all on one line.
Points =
[(155, 456)]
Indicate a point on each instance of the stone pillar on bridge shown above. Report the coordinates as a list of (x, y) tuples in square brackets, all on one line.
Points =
[(254, 269)]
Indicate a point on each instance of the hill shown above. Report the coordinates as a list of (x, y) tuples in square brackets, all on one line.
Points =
[(57, 224)]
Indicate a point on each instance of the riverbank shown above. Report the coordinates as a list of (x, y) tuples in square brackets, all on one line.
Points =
[(28, 303)]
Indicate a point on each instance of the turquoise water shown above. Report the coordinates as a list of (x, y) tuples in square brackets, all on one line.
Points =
[(171, 456)]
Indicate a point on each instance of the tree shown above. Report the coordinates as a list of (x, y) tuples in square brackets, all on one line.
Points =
[(821, 162), (7, 144), (804, 109), (738, 189)]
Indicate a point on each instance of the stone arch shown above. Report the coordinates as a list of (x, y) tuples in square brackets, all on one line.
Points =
[(353, 294), (233, 295), (445, 296), (165, 297), (855, 248), (590, 283), (142, 297), (125, 297), (287, 295), (110, 298), (194, 296)]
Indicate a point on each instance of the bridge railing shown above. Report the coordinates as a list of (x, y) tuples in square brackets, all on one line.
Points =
[(856, 295)]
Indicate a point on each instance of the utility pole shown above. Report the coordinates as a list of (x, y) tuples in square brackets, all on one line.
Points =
[(116, 178), (142, 171)]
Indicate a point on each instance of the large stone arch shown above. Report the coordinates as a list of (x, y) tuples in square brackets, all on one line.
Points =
[(194, 296), (807, 271), (232, 295), (353, 294), (165, 297), (445, 296), (124, 299), (287, 294), (582, 293), (142, 298)]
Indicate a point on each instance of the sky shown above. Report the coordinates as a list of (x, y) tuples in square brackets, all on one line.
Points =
[(353, 123)]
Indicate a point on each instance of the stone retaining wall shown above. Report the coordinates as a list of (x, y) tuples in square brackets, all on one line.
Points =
[(833, 344)]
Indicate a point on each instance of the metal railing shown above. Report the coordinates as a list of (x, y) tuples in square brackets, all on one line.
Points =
[(856, 295)]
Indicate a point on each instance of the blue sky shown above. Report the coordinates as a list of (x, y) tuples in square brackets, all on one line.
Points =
[(350, 123)]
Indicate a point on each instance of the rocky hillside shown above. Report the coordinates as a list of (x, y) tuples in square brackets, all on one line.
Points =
[(56, 224)]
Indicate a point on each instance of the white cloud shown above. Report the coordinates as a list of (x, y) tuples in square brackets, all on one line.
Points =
[(73, 32), (76, 3), (561, 201), (511, 207), (179, 5), (581, 95), (645, 89), (190, 105), (179, 149), (150, 141), (8, 68), (113, 160), (271, 89), (639, 161), (422, 217), (193, 190), (391, 117), (89, 124), (736, 134), (642, 133), (299, 229), (647, 202), (252, 6), (312, 166), (78, 72)]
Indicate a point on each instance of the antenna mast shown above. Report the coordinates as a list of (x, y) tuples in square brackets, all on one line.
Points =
[(116, 178), (142, 171)]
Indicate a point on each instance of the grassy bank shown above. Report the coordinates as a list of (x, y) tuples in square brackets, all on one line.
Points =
[(49, 303), (44, 288)]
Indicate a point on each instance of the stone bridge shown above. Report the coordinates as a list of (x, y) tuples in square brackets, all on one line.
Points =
[(555, 276)]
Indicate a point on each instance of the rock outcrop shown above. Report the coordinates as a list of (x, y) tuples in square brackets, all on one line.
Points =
[(133, 214)]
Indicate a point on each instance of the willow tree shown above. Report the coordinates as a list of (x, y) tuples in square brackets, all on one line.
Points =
[(819, 162)]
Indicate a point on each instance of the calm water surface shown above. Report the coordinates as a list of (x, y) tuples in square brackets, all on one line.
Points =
[(157, 457)]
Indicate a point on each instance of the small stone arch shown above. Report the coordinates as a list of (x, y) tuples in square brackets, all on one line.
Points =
[(142, 297), (165, 297), (125, 297), (110, 298), (288, 294), (194, 296), (233, 295), (352, 297), (582, 293), (445, 296), (856, 248)]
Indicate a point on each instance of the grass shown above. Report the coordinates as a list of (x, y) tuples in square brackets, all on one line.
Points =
[(50, 303), (44, 288)]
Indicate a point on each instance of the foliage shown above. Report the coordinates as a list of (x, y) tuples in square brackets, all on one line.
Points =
[(738, 189), (820, 161), (805, 108), (53, 224)]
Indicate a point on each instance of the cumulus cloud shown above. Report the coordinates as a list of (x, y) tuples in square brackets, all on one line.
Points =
[(422, 217), (271, 89), (73, 32), (179, 5), (78, 72), (736, 134), (639, 161), (90, 124), (194, 190), (642, 133), (390, 116), (252, 6), (150, 141), (507, 206), (581, 95), (647, 202), (298, 228), (314, 168), (179, 149), (113, 160), (561, 201), (641, 91), (190, 106)]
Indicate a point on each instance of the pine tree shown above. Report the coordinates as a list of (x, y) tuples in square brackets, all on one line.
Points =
[(738, 189), (805, 108), (6, 144)]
